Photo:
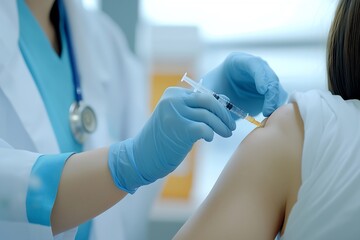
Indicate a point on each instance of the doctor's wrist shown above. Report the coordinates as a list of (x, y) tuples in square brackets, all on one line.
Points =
[(123, 168)]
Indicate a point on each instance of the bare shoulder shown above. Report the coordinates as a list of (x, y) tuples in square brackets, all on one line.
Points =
[(287, 116), (276, 147), (258, 187), (267, 163), (285, 120), (281, 135)]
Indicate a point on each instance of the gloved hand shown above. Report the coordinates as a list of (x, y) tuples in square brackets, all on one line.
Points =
[(249, 82), (180, 119)]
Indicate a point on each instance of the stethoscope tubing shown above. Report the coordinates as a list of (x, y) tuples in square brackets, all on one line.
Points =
[(68, 39), (82, 117)]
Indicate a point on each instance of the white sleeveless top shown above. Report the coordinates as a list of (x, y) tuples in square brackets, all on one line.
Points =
[(328, 205)]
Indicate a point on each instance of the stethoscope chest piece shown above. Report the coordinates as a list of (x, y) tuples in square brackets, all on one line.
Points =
[(82, 117), (82, 121)]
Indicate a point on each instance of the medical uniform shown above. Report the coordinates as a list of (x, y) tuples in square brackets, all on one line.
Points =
[(32, 134), (328, 204)]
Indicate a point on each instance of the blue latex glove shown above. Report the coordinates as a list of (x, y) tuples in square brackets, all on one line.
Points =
[(249, 82), (180, 119)]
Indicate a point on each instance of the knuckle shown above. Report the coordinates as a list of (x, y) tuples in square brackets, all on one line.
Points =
[(164, 103), (171, 92)]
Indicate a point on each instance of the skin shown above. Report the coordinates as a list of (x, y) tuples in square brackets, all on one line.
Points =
[(86, 189), (256, 191), (85, 176), (41, 11)]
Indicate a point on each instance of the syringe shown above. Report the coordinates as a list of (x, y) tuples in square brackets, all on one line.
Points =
[(226, 103)]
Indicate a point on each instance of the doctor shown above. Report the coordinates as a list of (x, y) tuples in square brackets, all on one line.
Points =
[(60, 167)]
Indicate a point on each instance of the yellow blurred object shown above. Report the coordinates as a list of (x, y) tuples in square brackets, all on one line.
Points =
[(178, 184), (160, 82)]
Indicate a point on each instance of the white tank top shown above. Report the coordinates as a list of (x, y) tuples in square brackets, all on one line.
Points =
[(328, 205)]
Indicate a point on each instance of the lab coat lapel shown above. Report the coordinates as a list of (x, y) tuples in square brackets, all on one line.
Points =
[(18, 85), (8, 33)]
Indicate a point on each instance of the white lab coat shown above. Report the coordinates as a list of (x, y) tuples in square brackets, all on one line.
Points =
[(112, 83)]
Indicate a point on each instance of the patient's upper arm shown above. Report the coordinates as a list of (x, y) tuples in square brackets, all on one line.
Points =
[(252, 196)]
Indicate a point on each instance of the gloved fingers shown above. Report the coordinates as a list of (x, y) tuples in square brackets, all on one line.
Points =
[(198, 130), (270, 101), (262, 74), (255, 69), (201, 115), (274, 98), (175, 92), (264, 78), (241, 66), (208, 102)]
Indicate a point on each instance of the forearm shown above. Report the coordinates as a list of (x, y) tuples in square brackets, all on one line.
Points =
[(86, 189)]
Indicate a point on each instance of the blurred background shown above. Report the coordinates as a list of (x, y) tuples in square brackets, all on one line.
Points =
[(171, 37)]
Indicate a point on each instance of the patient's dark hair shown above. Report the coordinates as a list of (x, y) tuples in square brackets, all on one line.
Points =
[(343, 51)]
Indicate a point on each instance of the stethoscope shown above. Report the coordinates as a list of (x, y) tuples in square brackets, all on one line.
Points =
[(82, 117)]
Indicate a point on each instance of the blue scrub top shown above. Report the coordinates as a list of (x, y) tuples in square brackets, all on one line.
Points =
[(53, 77)]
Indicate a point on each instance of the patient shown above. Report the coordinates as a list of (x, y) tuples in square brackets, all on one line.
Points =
[(299, 176)]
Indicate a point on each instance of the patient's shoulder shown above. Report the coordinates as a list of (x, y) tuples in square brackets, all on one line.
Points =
[(267, 163), (285, 118), (281, 133), (254, 194), (286, 131)]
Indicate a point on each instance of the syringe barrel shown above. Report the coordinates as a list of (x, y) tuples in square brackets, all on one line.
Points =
[(240, 113), (229, 106)]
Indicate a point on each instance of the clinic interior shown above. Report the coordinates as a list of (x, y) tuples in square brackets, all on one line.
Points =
[(178, 36)]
